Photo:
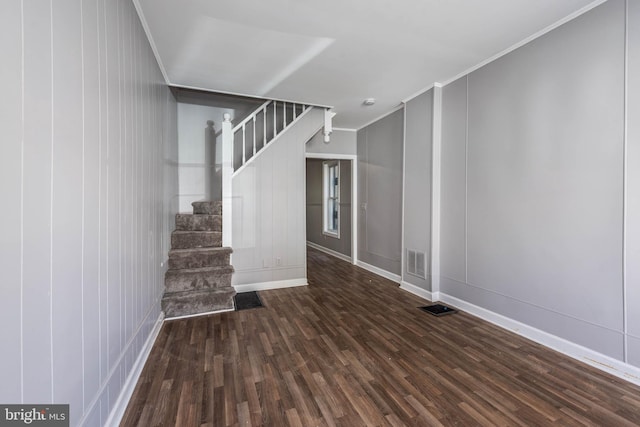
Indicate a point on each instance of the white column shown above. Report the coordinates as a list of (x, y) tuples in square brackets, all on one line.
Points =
[(227, 174)]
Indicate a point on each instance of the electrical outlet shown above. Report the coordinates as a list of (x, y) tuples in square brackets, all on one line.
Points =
[(279, 262)]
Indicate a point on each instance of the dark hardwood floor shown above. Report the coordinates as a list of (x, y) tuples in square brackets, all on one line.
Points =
[(351, 349)]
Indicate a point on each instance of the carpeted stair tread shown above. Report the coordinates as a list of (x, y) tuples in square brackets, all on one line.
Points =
[(186, 303), (180, 259), (207, 207), (194, 279), (216, 249), (198, 222), (195, 239), (217, 269), (199, 276)]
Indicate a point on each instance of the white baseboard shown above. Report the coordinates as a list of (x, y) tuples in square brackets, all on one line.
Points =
[(276, 284), (329, 252), (116, 414), (573, 350), (380, 272), (422, 293)]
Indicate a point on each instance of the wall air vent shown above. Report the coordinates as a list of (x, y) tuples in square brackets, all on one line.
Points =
[(416, 262)]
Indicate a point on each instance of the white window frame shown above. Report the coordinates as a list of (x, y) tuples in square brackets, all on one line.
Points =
[(326, 185)]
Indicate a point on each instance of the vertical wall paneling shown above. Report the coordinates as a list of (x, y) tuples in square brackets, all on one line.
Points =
[(417, 183), (633, 184), (103, 203), (66, 197), (91, 199), (113, 177), (269, 216), (11, 190), (88, 172), (36, 242)]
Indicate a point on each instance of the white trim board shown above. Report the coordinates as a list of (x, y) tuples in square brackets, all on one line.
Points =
[(575, 351), (380, 272), (329, 156), (423, 293), (120, 406), (328, 251), (276, 284)]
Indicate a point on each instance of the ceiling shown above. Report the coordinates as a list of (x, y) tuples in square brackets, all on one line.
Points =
[(337, 52)]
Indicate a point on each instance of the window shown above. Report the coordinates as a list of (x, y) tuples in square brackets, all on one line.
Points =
[(331, 198)]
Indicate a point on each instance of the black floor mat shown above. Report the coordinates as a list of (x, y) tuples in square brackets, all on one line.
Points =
[(246, 300), (437, 309)]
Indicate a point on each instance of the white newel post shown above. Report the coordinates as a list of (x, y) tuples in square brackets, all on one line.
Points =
[(227, 173), (210, 162)]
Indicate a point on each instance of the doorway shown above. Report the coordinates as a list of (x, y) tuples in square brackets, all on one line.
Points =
[(331, 214)]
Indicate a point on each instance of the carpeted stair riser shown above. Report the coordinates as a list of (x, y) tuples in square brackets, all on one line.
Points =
[(209, 208), (197, 258), (198, 279), (190, 222), (187, 303), (195, 239)]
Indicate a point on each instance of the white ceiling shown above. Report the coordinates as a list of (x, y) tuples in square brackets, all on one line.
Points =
[(337, 52)]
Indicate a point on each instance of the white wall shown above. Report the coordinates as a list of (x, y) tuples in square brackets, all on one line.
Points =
[(195, 153), (192, 137), (88, 184), (340, 142), (269, 238)]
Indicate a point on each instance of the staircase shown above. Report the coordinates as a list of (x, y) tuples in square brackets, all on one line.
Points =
[(198, 280)]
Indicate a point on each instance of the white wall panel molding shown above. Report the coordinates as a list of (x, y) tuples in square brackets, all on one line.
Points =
[(436, 182)]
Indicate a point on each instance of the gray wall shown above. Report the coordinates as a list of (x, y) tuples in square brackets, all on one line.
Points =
[(532, 155), (633, 186), (88, 184), (314, 207), (417, 183), (340, 142), (380, 192)]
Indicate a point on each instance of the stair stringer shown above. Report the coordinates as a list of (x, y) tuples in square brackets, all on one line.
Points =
[(269, 218)]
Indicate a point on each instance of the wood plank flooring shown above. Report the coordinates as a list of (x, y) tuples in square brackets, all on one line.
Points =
[(351, 349)]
